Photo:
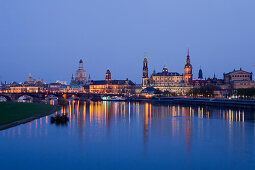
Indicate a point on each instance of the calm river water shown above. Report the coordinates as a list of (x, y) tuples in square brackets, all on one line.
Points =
[(124, 135)]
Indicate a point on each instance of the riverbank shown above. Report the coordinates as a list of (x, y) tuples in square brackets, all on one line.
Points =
[(13, 114), (233, 103)]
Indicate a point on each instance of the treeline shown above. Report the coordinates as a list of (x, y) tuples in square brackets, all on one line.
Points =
[(205, 91), (246, 93), (208, 91)]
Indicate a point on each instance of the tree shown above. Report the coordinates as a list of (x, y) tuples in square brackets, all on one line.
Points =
[(246, 93), (204, 91)]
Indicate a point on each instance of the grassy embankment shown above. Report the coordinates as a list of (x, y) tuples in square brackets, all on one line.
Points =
[(12, 112)]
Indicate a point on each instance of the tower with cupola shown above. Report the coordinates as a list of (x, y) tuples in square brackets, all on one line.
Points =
[(200, 74), (188, 70), (145, 78), (108, 76)]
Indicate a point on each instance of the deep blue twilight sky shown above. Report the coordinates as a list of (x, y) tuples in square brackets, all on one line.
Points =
[(48, 37)]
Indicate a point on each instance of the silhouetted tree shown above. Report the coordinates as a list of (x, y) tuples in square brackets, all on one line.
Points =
[(246, 93), (205, 91)]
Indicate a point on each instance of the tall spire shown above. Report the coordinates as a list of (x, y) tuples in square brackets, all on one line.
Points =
[(200, 73), (89, 79), (188, 58), (188, 70)]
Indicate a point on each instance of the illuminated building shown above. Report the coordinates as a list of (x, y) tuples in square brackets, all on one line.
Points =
[(71, 88), (145, 78), (166, 78), (30, 80), (239, 79), (24, 89), (53, 87), (197, 83), (80, 76), (237, 75), (29, 86), (172, 82), (109, 86), (188, 70)]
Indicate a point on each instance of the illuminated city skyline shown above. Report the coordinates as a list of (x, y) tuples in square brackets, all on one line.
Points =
[(38, 40)]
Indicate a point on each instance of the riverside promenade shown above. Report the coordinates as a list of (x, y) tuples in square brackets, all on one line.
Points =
[(207, 101)]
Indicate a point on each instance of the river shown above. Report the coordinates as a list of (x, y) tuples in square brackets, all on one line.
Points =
[(133, 135)]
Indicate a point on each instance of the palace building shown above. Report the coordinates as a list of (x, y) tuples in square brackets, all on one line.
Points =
[(168, 81), (80, 76), (237, 75), (109, 86), (239, 79)]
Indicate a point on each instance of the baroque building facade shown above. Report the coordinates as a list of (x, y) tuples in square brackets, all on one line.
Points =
[(238, 79), (172, 82), (80, 76), (109, 86), (237, 75)]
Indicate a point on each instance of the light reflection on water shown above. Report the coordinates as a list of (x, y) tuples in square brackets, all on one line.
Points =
[(151, 135)]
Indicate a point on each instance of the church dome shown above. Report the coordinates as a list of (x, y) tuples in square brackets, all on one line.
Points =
[(80, 75), (30, 80)]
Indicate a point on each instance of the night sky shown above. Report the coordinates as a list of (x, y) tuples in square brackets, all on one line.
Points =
[(47, 38)]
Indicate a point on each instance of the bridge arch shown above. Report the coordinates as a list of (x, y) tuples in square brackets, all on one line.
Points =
[(25, 98), (8, 98), (72, 97)]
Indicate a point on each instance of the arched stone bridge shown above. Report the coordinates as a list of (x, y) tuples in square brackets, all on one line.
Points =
[(42, 96)]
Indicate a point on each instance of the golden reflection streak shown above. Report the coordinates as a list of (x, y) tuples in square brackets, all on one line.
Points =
[(137, 110), (239, 116), (78, 111), (99, 112), (145, 122), (70, 110), (150, 113), (104, 107), (84, 111), (129, 112), (243, 116), (91, 111), (173, 111)]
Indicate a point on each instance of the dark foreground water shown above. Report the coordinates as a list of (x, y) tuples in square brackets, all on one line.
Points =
[(122, 135)]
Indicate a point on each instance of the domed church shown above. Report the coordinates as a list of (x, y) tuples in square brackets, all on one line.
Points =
[(80, 76)]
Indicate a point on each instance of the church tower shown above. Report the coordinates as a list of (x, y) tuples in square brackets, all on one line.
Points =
[(188, 71), (145, 78), (108, 76), (89, 79), (200, 74)]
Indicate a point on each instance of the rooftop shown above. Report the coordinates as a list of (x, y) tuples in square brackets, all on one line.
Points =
[(116, 82)]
